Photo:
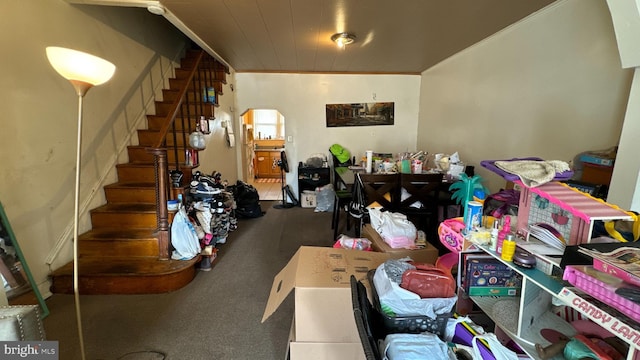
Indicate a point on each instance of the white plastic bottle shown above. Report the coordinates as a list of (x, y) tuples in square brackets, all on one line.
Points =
[(493, 244)]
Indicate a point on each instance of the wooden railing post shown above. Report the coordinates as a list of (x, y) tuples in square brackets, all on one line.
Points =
[(162, 185)]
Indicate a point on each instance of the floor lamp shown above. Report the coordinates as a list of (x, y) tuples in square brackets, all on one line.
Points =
[(83, 71)]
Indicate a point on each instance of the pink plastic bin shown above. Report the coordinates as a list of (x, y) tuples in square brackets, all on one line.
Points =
[(601, 286)]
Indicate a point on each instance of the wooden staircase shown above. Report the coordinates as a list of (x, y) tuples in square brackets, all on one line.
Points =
[(123, 252)]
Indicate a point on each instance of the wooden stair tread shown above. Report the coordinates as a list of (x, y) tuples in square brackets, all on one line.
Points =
[(169, 148), (127, 207), (126, 266), (131, 185), (137, 165), (118, 234)]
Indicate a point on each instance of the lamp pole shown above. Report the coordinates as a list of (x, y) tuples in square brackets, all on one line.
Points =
[(76, 216), (83, 71)]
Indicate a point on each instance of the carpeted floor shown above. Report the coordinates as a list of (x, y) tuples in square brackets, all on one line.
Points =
[(217, 316)]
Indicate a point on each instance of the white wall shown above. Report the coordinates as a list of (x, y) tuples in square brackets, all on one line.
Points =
[(550, 86), (301, 99), (219, 156), (38, 136)]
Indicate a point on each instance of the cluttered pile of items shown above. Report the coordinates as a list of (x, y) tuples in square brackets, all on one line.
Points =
[(412, 316), (417, 162), (556, 232), (514, 248), (207, 214)]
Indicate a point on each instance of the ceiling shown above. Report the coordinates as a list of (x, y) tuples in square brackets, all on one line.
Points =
[(406, 36)]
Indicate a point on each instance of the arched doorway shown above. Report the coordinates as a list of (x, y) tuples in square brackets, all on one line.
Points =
[(264, 140)]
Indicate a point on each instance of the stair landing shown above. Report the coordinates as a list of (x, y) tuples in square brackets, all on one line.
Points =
[(133, 275)]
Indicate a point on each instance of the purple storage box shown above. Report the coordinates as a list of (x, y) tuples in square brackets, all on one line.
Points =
[(490, 165)]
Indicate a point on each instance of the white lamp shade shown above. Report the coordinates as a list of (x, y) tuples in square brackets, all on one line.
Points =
[(76, 65)]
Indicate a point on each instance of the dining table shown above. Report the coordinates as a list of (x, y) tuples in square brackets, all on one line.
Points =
[(346, 177)]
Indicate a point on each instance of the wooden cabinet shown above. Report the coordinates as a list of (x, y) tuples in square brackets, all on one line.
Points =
[(267, 164)]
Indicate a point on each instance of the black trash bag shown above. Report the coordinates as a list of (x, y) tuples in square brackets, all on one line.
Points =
[(247, 200)]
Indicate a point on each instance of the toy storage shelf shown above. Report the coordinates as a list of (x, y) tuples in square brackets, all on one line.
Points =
[(487, 303), (572, 213), (535, 311), (569, 210), (534, 308)]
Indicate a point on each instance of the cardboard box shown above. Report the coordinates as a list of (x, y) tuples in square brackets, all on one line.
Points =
[(308, 199), (427, 255), (321, 351), (324, 323)]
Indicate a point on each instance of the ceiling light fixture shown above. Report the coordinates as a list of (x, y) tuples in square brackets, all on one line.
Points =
[(343, 39)]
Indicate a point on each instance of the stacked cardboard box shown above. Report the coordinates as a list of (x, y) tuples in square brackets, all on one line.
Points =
[(323, 323)]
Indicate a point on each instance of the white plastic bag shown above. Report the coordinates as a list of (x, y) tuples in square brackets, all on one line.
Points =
[(394, 228), (324, 198), (416, 347), (499, 351), (406, 303), (184, 237), (452, 323)]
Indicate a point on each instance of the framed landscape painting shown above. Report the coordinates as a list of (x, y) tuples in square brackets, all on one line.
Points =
[(360, 114)]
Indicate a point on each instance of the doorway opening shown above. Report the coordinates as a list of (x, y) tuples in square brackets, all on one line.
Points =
[(264, 140)]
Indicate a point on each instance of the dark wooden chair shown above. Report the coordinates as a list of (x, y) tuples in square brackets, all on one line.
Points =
[(380, 190), (419, 199), (383, 189)]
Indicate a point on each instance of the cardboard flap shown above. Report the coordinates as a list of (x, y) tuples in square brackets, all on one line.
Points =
[(282, 285), (320, 267)]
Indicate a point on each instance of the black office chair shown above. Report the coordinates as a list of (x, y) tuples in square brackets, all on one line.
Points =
[(366, 323)]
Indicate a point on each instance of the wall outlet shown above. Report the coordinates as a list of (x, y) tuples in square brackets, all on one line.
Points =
[(289, 138)]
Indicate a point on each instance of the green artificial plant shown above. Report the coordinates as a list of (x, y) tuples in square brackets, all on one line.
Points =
[(463, 190)]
